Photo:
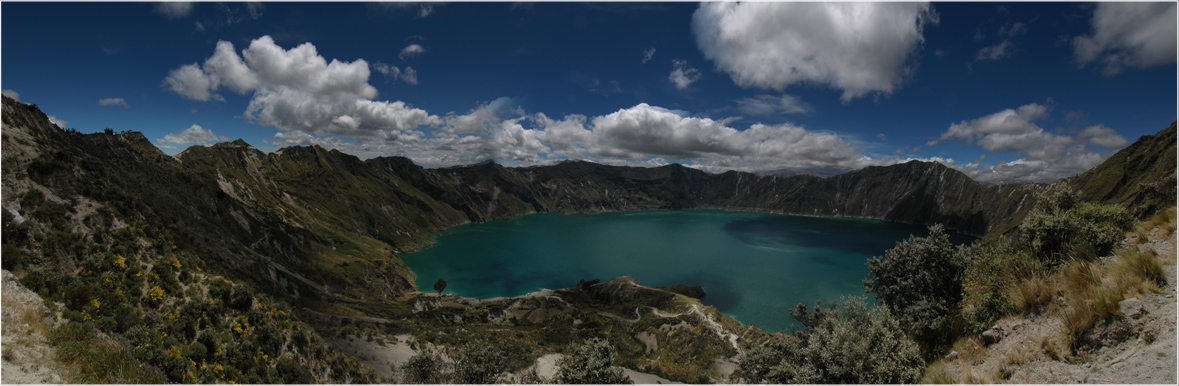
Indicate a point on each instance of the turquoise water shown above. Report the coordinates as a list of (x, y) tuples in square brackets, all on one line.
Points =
[(753, 266)]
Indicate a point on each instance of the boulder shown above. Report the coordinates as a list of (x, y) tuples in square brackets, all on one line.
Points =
[(992, 336), (1132, 308)]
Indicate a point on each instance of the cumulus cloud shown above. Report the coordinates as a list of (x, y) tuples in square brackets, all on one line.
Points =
[(411, 51), (174, 10), (11, 94), (1043, 156), (648, 54), (113, 102), (683, 75), (641, 135), (858, 48), (1102, 136), (765, 105), (194, 134), (298, 89), (1128, 34)]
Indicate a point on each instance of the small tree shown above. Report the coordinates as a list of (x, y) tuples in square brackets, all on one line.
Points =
[(440, 285), (921, 281), (592, 362)]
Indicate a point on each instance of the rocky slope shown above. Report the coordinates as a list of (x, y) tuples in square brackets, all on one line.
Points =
[(1137, 347)]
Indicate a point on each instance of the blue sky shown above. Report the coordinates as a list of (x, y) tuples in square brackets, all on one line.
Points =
[(1001, 91)]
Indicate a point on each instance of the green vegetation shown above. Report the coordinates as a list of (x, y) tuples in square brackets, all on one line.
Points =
[(197, 268), (479, 363), (921, 279), (592, 362), (424, 367), (852, 344), (440, 285)]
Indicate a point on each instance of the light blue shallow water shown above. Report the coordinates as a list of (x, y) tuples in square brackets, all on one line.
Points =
[(753, 266)]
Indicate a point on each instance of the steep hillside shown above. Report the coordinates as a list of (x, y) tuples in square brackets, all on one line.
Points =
[(327, 223), (1140, 177), (110, 226)]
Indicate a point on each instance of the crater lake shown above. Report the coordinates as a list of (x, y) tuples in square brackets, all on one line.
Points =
[(753, 266)]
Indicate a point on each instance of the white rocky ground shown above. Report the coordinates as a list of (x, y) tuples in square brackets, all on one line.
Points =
[(27, 357), (1031, 348)]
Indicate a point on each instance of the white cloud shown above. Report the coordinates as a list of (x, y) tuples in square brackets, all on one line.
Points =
[(1102, 136), (113, 102), (765, 105), (648, 54), (411, 51), (190, 82), (683, 75), (174, 10), (408, 76), (1137, 34), (1043, 156), (994, 52), (298, 89), (641, 135), (858, 48), (59, 122), (194, 134), (11, 94)]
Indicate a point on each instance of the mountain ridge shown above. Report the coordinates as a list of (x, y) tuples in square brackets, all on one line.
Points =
[(319, 221)]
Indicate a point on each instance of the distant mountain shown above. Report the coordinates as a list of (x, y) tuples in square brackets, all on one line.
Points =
[(311, 221), (791, 172)]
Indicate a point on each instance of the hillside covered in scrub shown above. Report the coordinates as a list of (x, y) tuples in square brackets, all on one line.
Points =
[(224, 263)]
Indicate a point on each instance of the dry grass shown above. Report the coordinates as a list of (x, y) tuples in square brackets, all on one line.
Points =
[(1051, 347), (1164, 220), (936, 374), (1033, 293), (1138, 270)]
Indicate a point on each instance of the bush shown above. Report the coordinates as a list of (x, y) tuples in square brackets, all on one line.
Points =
[(921, 279), (423, 367), (1062, 227), (591, 362), (854, 344), (98, 357), (479, 363)]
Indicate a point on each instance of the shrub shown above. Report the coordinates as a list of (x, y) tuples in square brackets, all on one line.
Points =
[(423, 367), (479, 363), (591, 362), (99, 357), (855, 344), (921, 279), (1060, 227)]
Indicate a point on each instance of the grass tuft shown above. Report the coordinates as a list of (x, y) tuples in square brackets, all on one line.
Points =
[(1033, 293), (1139, 270)]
